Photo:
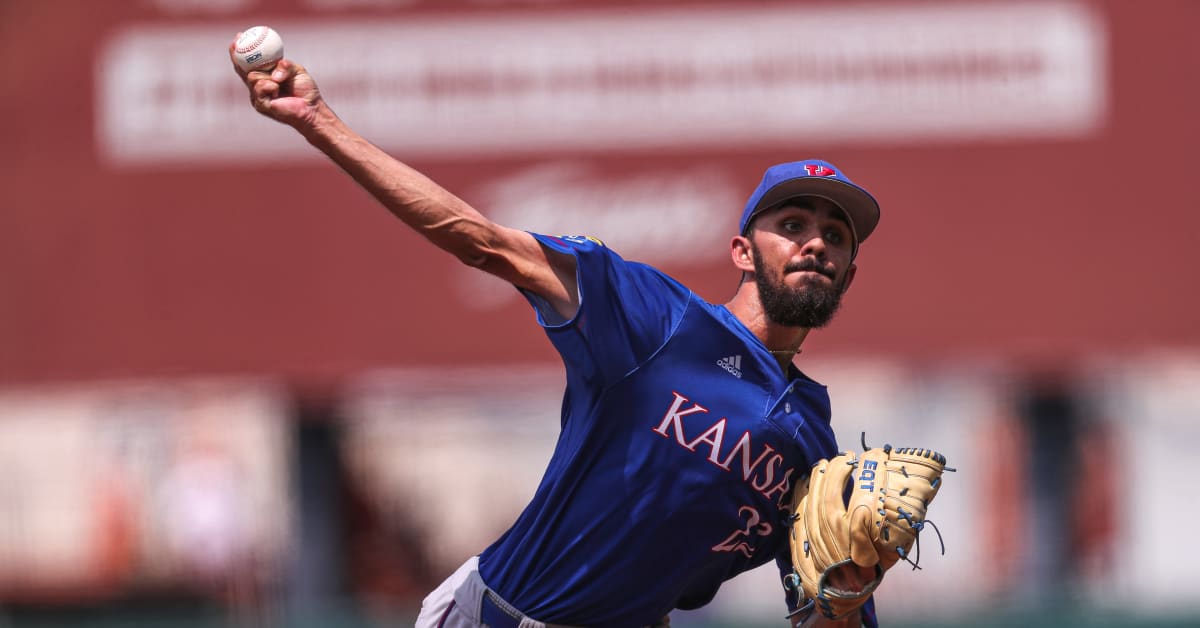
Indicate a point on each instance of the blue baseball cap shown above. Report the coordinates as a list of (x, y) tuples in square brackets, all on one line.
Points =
[(813, 177)]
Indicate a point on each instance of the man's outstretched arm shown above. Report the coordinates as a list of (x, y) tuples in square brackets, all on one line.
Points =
[(288, 94)]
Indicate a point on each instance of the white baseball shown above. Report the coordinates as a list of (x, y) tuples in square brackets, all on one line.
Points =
[(259, 48)]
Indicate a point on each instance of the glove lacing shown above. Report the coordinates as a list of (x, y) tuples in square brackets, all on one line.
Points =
[(917, 526)]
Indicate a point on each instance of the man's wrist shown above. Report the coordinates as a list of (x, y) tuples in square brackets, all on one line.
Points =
[(323, 129)]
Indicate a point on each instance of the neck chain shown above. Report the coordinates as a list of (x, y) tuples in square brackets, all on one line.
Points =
[(784, 352)]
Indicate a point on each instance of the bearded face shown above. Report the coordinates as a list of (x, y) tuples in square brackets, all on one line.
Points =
[(812, 304)]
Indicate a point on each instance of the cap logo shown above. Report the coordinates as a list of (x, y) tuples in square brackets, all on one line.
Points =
[(817, 170)]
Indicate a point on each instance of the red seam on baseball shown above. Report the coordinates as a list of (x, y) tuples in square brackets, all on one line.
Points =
[(262, 36)]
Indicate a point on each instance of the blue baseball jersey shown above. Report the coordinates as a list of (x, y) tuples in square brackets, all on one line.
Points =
[(681, 438)]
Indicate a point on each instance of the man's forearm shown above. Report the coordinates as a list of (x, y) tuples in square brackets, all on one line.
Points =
[(426, 207)]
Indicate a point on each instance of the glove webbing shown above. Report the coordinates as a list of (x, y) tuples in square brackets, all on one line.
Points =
[(919, 525)]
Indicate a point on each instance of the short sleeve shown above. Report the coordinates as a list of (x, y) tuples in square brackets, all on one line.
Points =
[(627, 310)]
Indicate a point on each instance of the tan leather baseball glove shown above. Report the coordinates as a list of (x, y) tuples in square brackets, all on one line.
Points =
[(871, 519)]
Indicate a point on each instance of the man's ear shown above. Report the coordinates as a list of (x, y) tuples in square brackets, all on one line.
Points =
[(741, 253), (851, 271)]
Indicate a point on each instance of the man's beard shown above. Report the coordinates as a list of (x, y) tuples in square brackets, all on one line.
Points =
[(811, 306)]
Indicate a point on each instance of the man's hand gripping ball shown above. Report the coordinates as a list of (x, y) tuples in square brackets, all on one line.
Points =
[(834, 537)]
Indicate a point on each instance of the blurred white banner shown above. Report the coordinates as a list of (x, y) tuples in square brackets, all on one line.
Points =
[(598, 80)]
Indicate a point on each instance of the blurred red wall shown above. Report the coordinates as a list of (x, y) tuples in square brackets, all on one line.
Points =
[(1022, 248)]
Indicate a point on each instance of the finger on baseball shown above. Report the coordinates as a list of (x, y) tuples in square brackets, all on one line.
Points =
[(262, 104), (265, 89), (284, 70), (255, 76), (232, 48)]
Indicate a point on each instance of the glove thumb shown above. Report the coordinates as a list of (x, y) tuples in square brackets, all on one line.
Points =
[(862, 544)]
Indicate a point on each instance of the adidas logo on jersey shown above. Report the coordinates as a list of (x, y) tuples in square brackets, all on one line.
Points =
[(733, 364)]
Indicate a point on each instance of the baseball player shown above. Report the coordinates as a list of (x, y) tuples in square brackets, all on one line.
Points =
[(685, 424)]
